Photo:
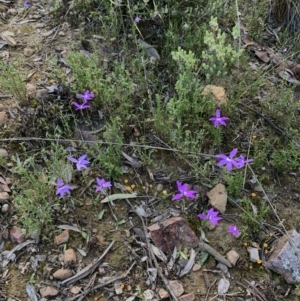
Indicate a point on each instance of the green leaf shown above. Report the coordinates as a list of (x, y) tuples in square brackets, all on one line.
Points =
[(83, 234), (183, 255), (203, 258), (101, 213), (118, 196)]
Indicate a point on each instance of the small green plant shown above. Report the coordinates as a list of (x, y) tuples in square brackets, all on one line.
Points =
[(234, 183), (32, 199), (219, 55), (12, 80), (253, 214), (297, 290)]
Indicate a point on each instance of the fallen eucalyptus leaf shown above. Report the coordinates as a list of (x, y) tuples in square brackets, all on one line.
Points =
[(118, 196)]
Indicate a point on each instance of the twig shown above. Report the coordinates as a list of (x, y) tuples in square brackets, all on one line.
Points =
[(124, 275), (88, 269), (207, 293)]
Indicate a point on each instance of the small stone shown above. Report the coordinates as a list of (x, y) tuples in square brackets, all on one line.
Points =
[(4, 196), (176, 287), (3, 118), (232, 256), (40, 25), (61, 33), (218, 197), (222, 267), (163, 294), (3, 153), (48, 291), (63, 274), (187, 297), (101, 271), (5, 208), (12, 11), (69, 257), (28, 51), (75, 290), (62, 238), (30, 89), (159, 187), (196, 267), (16, 235), (254, 255)]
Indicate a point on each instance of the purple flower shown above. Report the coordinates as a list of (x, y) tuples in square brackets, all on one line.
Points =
[(234, 230), (218, 120), (241, 161), (102, 184), (184, 191), (80, 106), (211, 216), (228, 161), (137, 19), (81, 162), (62, 188), (86, 96), (27, 4)]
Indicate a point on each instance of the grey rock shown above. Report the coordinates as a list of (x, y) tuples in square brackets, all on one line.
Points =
[(285, 258)]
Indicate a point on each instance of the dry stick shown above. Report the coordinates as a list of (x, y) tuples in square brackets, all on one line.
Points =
[(207, 293), (88, 269), (252, 291), (163, 278), (124, 275), (257, 291), (103, 142)]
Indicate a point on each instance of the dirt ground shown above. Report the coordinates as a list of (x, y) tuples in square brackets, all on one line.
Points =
[(44, 44)]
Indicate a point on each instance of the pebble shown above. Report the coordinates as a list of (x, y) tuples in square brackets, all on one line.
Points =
[(5, 208), (3, 118), (48, 291), (69, 257), (62, 238), (176, 287), (28, 51), (232, 256), (63, 274)]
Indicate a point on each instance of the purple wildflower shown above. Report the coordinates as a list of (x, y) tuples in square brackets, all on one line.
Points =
[(234, 230), (80, 106), (81, 162), (137, 19), (102, 184), (241, 162), (218, 120), (211, 216), (62, 188), (27, 4), (184, 191), (86, 96), (228, 161)]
